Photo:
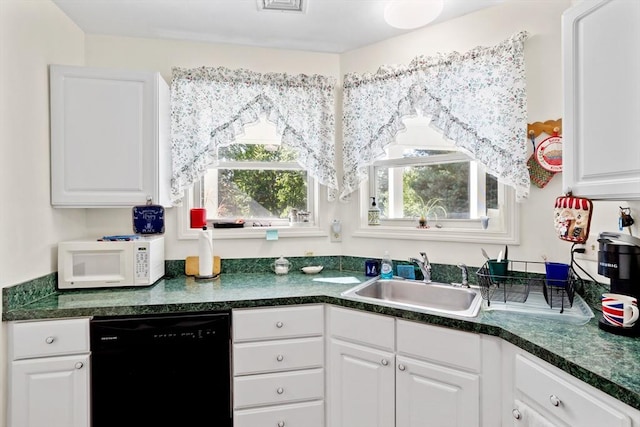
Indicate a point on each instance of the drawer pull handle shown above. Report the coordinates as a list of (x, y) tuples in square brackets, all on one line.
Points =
[(384, 362), (280, 423), (516, 414), (279, 325), (280, 358), (401, 367), (79, 365), (280, 390), (554, 400), (49, 340)]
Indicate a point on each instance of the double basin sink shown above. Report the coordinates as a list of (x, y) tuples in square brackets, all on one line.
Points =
[(419, 296)]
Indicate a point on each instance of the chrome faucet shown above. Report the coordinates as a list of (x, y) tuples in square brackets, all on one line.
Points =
[(425, 266), (465, 276)]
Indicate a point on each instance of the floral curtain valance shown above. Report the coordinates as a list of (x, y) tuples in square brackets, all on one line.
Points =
[(477, 99), (211, 106)]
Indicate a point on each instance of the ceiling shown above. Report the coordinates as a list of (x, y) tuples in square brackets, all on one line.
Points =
[(334, 26)]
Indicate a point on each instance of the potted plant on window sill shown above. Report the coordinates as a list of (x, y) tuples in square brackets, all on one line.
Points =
[(430, 209)]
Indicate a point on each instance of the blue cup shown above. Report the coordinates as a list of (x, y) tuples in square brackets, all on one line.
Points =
[(371, 267), (557, 274)]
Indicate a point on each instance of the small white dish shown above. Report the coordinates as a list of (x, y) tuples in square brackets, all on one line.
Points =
[(312, 269)]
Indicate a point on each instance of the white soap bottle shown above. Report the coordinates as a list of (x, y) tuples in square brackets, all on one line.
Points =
[(386, 267), (373, 215)]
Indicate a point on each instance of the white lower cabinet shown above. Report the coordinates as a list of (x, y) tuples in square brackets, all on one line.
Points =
[(438, 376), (400, 373), (544, 395), (361, 386), (429, 394), (278, 367), (49, 380)]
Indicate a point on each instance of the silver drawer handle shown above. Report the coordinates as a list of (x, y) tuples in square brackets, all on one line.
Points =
[(279, 324), (280, 358), (49, 340), (516, 414), (79, 365), (554, 400), (401, 367), (280, 423), (384, 362), (280, 390)]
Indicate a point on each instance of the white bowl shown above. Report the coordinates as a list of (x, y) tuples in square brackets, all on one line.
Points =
[(312, 269)]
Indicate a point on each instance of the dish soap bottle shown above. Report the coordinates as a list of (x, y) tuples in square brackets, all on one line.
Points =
[(373, 216), (386, 267)]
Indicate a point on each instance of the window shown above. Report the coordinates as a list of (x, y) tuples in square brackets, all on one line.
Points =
[(424, 175), (257, 180), (433, 184)]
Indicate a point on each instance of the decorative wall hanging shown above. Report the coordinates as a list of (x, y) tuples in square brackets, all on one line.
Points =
[(476, 99), (211, 106), (572, 218), (546, 159)]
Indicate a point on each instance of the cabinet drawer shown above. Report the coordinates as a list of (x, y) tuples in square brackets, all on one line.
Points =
[(280, 322), (48, 338), (308, 414), (265, 389), (442, 345), (279, 355), (366, 328), (569, 403)]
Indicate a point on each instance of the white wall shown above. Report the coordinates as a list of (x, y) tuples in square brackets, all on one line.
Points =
[(544, 91), (33, 35), (485, 28), (162, 55)]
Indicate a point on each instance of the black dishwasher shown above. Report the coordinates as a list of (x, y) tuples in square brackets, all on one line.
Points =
[(161, 370)]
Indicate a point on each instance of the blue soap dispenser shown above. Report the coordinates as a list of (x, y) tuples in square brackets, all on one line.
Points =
[(386, 267)]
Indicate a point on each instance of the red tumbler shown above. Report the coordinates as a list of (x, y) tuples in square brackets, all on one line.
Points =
[(198, 217)]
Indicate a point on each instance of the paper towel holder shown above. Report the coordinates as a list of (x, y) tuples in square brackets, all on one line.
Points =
[(205, 244)]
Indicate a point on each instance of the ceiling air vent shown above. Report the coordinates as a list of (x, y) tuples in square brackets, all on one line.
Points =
[(282, 5)]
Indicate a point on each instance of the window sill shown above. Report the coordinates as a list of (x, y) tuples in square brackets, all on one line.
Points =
[(257, 233), (445, 234)]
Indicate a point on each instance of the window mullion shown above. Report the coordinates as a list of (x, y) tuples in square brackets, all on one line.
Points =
[(477, 190), (396, 190)]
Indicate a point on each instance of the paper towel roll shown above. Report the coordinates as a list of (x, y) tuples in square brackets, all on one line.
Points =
[(205, 253)]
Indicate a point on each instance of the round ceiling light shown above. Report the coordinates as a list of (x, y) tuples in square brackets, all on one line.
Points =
[(410, 14)]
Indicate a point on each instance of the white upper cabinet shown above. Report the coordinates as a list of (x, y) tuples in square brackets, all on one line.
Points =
[(109, 137), (601, 40)]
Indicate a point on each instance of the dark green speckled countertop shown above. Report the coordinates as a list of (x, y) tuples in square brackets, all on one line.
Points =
[(608, 362)]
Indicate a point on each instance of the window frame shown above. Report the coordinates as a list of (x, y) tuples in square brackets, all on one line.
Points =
[(503, 223), (263, 133), (315, 229), (279, 166)]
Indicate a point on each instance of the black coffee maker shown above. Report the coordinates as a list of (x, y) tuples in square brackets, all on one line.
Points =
[(619, 260)]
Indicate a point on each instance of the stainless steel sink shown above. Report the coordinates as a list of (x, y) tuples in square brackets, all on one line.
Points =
[(419, 296)]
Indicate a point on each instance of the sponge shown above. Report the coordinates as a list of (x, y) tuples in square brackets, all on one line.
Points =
[(406, 271)]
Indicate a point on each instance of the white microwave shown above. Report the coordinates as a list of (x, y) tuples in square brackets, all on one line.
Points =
[(103, 264)]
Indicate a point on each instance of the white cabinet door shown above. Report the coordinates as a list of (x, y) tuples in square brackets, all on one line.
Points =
[(49, 392), (601, 153), (361, 390), (109, 137), (433, 395)]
